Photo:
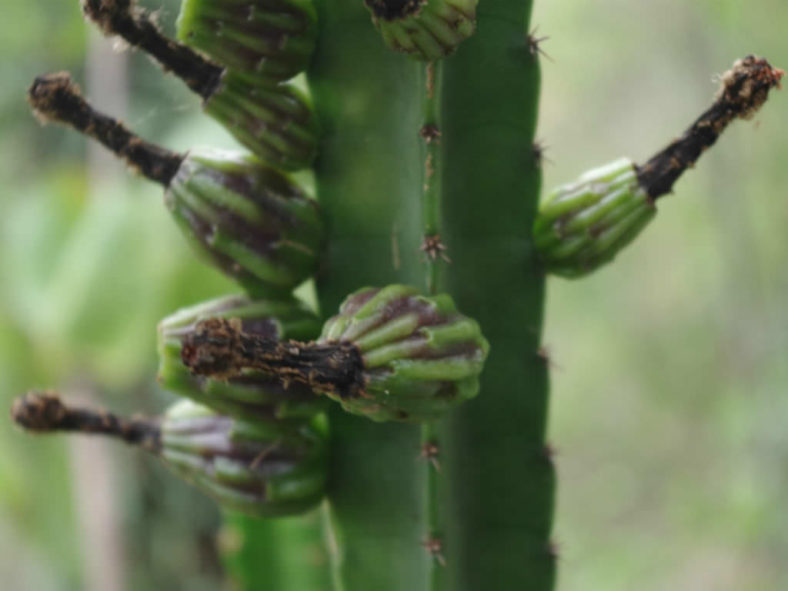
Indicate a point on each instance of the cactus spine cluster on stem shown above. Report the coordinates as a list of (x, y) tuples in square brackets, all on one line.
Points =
[(428, 248)]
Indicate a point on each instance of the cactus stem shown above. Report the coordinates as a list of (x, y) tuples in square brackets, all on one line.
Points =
[(434, 249), (432, 246), (743, 90), (55, 97), (45, 412), (218, 348), (136, 27)]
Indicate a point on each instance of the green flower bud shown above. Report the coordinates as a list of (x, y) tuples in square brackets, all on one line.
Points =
[(424, 29), (275, 122), (252, 394), (251, 221), (263, 468), (261, 40), (583, 225), (419, 355)]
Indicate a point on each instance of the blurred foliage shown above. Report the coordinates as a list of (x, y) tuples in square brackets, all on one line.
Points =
[(668, 400), (669, 406)]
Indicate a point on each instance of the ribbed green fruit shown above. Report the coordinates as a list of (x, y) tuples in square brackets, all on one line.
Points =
[(583, 225), (261, 40), (424, 29), (251, 221), (275, 122), (420, 356), (262, 468), (253, 394)]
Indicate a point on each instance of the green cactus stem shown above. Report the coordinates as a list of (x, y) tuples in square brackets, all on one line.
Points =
[(252, 394), (274, 121), (434, 254), (261, 40), (261, 468), (390, 354), (283, 554), (251, 221), (583, 225), (369, 180), (495, 520), (424, 29)]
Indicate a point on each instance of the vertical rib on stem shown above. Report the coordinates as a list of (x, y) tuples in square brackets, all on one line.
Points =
[(499, 482), (368, 176), (433, 249)]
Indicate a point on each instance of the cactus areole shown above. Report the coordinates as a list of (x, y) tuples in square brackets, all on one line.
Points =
[(418, 413)]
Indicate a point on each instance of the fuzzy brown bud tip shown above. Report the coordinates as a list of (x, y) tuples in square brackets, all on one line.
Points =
[(38, 411), (745, 87), (53, 94), (105, 12)]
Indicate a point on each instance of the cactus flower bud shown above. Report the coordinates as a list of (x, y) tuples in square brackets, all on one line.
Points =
[(424, 29), (275, 122), (252, 394), (262, 468), (420, 355), (390, 354), (262, 40), (583, 225), (250, 220)]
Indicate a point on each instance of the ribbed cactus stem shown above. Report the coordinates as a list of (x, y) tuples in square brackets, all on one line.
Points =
[(498, 475), (495, 487), (369, 179), (434, 255), (56, 98), (432, 245)]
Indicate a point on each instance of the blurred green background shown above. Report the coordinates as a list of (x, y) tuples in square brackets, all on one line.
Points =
[(669, 403)]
